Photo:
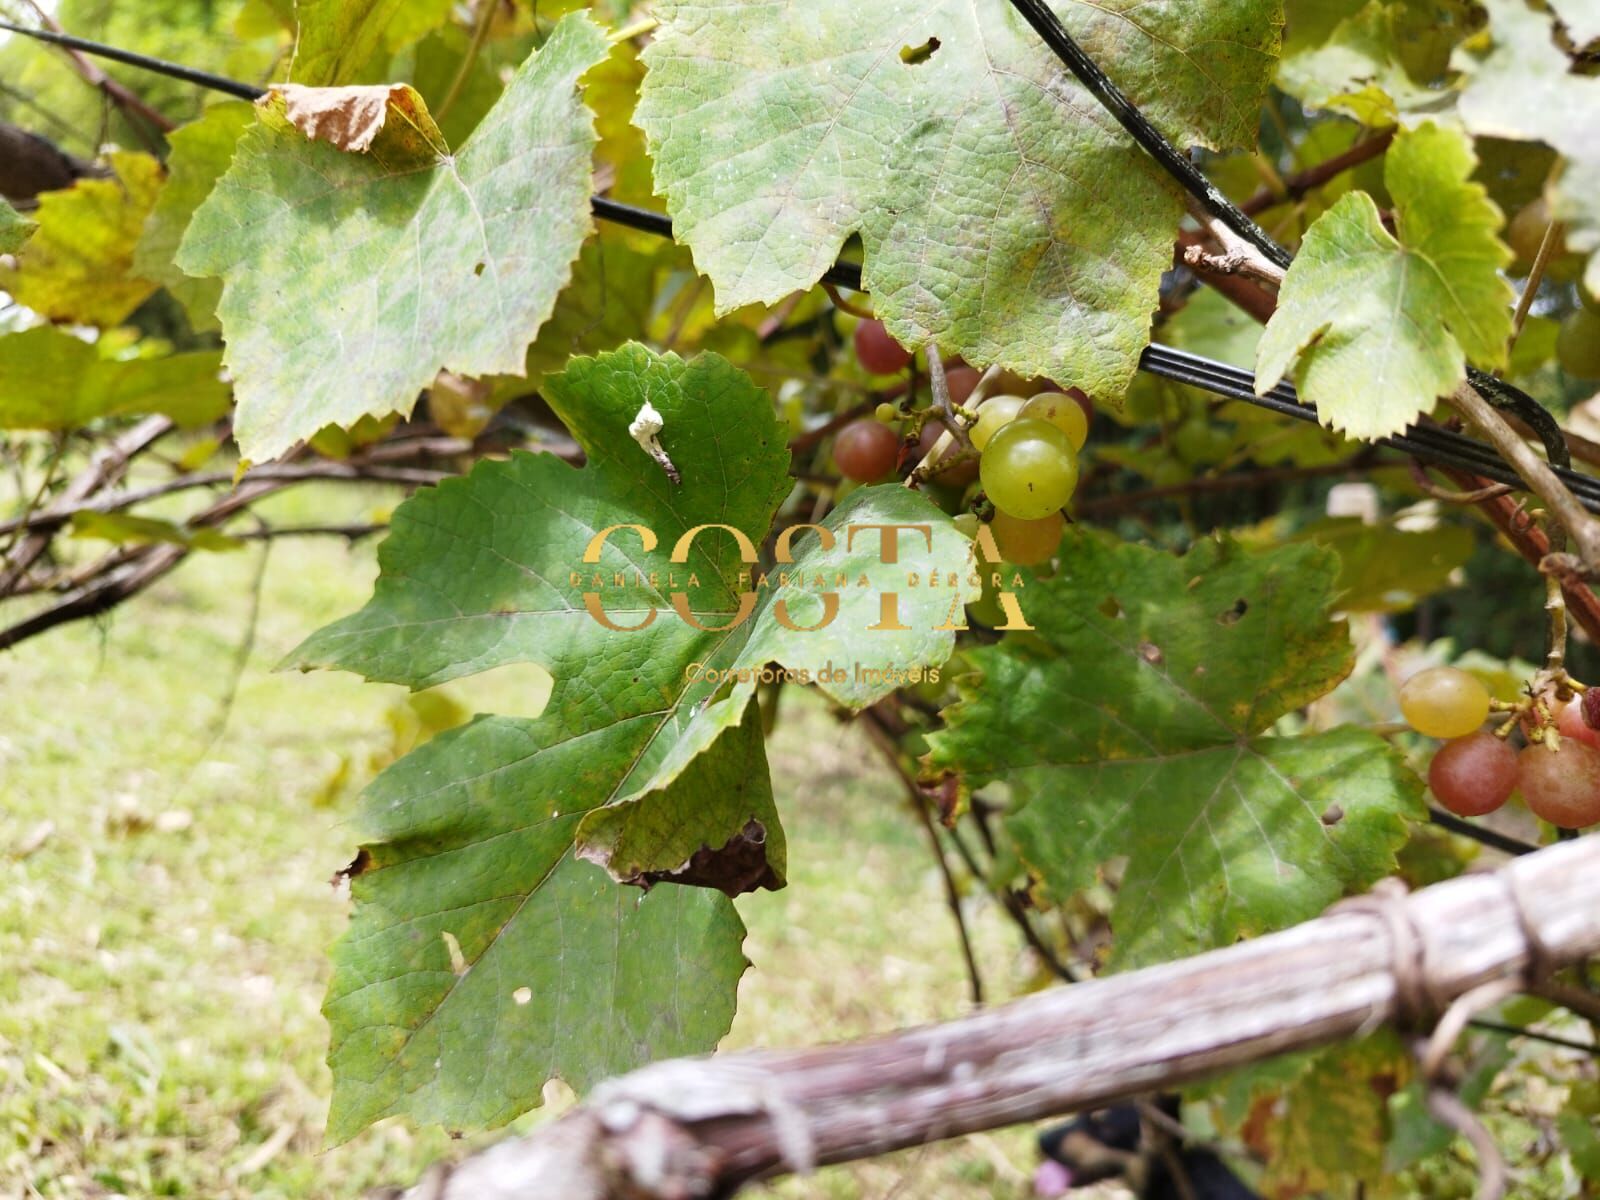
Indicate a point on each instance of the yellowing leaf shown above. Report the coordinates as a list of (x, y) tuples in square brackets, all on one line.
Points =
[(338, 40), (15, 229), (78, 266), (52, 380), (350, 280), (1377, 326), (201, 152)]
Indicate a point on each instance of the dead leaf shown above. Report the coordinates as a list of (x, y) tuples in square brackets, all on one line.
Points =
[(353, 119)]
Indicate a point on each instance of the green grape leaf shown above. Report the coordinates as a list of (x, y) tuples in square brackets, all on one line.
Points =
[(1524, 87), (968, 159), (1133, 723), (648, 757), (342, 41), (15, 229), (201, 151), (1378, 327), (350, 279), (52, 380), (78, 265)]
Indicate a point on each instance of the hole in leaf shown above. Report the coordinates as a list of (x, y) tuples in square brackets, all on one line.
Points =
[(914, 55), (1111, 607), (478, 270), (1231, 617)]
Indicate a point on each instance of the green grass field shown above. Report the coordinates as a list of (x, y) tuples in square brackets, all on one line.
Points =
[(165, 909)]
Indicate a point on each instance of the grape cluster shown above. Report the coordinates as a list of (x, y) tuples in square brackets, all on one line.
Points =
[(1475, 771), (1028, 461)]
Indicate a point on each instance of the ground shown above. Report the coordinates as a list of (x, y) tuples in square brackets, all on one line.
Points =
[(165, 909)]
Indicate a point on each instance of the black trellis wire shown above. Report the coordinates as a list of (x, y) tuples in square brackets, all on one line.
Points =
[(1441, 447)]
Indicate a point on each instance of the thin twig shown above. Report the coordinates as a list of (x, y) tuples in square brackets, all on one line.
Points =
[(1451, 496), (883, 737), (1571, 516), (1553, 234)]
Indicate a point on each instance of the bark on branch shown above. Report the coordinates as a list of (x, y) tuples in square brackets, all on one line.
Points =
[(704, 1127)]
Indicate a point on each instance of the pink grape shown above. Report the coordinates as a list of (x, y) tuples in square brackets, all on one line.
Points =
[(1562, 787), (1473, 775)]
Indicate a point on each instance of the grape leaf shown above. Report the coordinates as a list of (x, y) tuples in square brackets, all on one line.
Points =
[(1132, 724), (1378, 327), (338, 40), (1524, 87), (1377, 63), (52, 380), (1582, 19), (78, 265), (972, 164), (349, 280), (1320, 1118), (201, 151), (15, 229), (639, 761)]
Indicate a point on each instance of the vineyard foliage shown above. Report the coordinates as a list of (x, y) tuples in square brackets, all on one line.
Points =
[(1175, 732)]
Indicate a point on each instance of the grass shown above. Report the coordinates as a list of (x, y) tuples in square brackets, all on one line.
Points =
[(165, 908)]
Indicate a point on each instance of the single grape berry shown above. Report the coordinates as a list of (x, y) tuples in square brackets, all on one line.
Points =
[(1062, 411), (1570, 724), (879, 353), (996, 412), (1027, 543), (1590, 703), (1578, 344), (1561, 786), (1443, 702), (887, 413), (1029, 469), (961, 381), (1473, 775), (865, 451)]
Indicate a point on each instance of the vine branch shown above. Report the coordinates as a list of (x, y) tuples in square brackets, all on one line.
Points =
[(704, 1127)]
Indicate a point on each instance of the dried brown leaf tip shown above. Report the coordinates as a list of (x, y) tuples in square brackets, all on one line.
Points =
[(388, 120)]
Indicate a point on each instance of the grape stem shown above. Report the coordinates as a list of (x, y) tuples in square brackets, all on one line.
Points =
[(941, 398), (947, 439)]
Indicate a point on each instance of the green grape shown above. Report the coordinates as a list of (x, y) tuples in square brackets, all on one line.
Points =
[(1588, 299), (1443, 702), (1029, 469), (887, 413), (1028, 543), (967, 524), (996, 412), (1062, 411), (1578, 344)]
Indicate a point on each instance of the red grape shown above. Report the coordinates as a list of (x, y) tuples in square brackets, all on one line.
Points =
[(1562, 787), (961, 381), (878, 352), (1473, 775), (1590, 702), (865, 450), (1570, 724)]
